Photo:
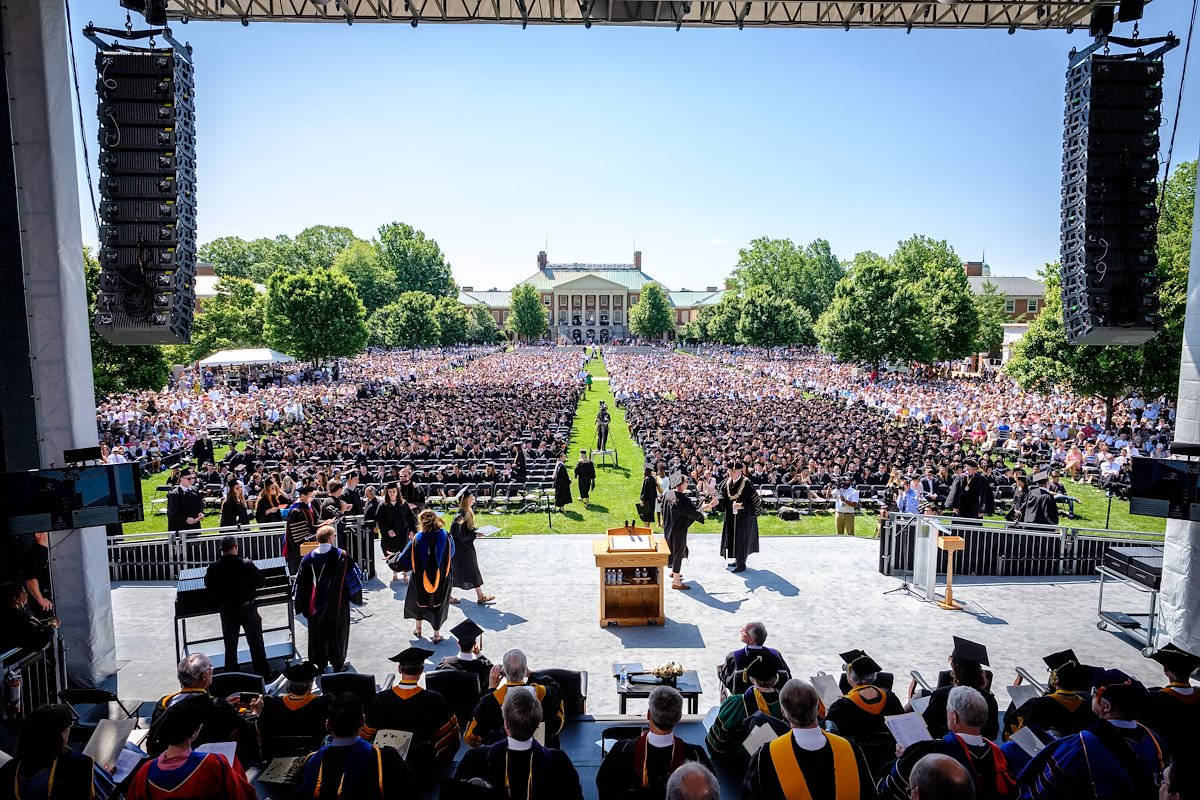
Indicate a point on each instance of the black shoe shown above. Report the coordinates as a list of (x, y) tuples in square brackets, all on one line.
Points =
[(741, 568), (731, 565)]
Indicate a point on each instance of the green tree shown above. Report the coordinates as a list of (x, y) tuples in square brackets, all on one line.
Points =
[(415, 260), (770, 320), (451, 320), (875, 316), (232, 318), (314, 315), (410, 321), (318, 246), (481, 326), (721, 321), (119, 368), (1174, 254), (1043, 361), (989, 307), (375, 284), (806, 275), (527, 317), (651, 316), (230, 256), (941, 284)]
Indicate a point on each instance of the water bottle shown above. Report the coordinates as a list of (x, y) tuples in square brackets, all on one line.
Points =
[(624, 677)]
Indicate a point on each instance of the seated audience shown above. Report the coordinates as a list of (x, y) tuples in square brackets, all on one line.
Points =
[(940, 777), (487, 725), (638, 769), (730, 673), (350, 766), (859, 716), (1174, 710), (517, 766), (296, 713), (966, 669), (409, 707), (219, 721), (181, 773), (43, 768), (740, 713), (807, 761), (693, 781), (469, 659)]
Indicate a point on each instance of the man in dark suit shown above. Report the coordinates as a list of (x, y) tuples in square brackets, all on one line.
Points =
[(185, 506), (638, 769), (202, 449), (233, 582), (970, 493)]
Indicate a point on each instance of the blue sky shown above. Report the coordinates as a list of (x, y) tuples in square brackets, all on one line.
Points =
[(496, 140)]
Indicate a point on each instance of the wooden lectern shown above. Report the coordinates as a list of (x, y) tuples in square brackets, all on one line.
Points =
[(627, 597), (951, 544)]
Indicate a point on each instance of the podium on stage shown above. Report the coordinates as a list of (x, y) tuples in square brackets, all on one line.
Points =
[(631, 563), (952, 545)]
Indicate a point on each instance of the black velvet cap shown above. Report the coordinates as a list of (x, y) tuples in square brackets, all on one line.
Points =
[(1056, 660), (1179, 661), (304, 672), (412, 659), (966, 650), (865, 665), (850, 655), (466, 631)]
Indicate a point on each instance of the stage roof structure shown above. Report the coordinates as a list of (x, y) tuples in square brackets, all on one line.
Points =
[(1003, 14)]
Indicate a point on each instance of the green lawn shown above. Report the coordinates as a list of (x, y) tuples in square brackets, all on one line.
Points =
[(154, 523)]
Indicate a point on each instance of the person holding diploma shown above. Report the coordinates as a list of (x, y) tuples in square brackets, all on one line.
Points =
[(465, 567), (422, 712), (678, 513)]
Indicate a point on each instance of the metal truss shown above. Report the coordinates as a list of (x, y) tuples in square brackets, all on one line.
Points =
[(1010, 14)]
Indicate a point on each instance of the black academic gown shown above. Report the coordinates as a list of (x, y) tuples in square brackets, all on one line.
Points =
[(479, 666), (396, 517), (647, 499), (635, 770), (970, 497), (984, 762), (935, 714), (287, 716), (429, 556), (325, 586), (487, 721), (366, 772), (731, 672), (421, 712), (72, 778), (762, 781), (859, 716), (1040, 507), (221, 723), (678, 513), (538, 773), (1052, 716), (1177, 718), (739, 533), (562, 485), (585, 473), (465, 569)]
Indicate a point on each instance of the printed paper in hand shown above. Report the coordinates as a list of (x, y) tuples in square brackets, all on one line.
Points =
[(487, 530), (709, 719), (540, 734), (108, 739), (907, 729), (398, 740), (1028, 741), (827, 688), (1022, 693), (919, 704), (758, 737), (283, 771), (126, 763), (225, 749)]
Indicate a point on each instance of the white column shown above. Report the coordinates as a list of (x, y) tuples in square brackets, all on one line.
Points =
[(35, 50), (1181, 565)]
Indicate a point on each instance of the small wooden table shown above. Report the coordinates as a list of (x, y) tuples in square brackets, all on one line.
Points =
[(627, 602), (951, 544), (688, 685)]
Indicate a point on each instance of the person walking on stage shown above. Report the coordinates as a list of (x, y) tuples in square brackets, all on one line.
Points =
[(185, 506), (585, 473), (429, 555), (327, 583), (298, 527), (233, 581), (679, 512), (562, 483), (396, 523), (465, 564), (739, 502)]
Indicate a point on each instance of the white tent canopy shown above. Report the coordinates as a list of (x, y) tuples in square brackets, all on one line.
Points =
[(253, 355)]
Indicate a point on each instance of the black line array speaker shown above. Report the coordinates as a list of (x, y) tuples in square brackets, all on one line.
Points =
[(1109, 200), (148, 196)]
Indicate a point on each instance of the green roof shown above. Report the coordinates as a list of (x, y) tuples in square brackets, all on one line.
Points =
[(684, 298), (491, 299), (555, 275)]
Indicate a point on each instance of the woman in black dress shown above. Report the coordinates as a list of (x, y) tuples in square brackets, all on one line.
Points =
[(585, 473), (233, 507), (466, 563), (395, 522)]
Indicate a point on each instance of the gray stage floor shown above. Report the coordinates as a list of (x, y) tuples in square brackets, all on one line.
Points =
[(817, 595)]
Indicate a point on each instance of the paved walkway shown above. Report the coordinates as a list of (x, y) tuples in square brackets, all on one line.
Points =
[(817, 595)]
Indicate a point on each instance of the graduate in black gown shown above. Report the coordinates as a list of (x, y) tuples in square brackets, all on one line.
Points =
[(966, 668), (465, 569), (469, 659), (517, 767), (396, 523), (585, 474), (1065, 710), (1174, 710), (350, 766), (648, 497), (295, 713), (329, 580), (859, 715), (562, 482), (429, 555), (638, 769), (739, 502), (678, 513), (422, 712)]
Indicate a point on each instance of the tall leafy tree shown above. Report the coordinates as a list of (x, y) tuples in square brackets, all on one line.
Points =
[(451, 318), (651, 316), (769, 320), (319, 245), (1043, 360), (119, 368), (314, 315), (230, 256), (527, 316), (875, 316), (989, 307), (806, 275), (481, 325), (1174, 254), (408, 322), (374, 283), (721, 321), (232, 318), (415, 260), (952, 317)]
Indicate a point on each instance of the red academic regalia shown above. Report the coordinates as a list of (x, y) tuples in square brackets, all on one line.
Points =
[(202, 776)]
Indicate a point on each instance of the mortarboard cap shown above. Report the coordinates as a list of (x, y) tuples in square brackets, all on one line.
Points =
[(865, 665), (677, 479), (412, 659), (1122, 691), (185, 472), (764, 667), (1041, 476), (849, 656), (966, 650), (466, 632), (1178, 661), (970, 462), (1057, 660), (304, 672)]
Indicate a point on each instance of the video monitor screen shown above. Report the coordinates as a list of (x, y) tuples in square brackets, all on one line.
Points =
[(1164, 487), (72, 497)]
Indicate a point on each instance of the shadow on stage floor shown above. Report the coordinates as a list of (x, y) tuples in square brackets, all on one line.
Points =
[(672, 636)]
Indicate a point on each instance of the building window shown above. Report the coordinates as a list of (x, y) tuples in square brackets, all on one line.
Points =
[(546, 300), (1010, 306), (616, 318), (562, 301), (1032, 306), (617, 302), (604, 301), (603, 317), (562, 317)]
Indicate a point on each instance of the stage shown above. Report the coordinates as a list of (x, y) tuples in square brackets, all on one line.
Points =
[(818, 596)]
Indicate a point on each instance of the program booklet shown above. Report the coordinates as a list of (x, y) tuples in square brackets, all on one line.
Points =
[(283, 771), (399, 741)]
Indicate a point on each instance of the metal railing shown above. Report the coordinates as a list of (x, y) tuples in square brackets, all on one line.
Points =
[(997, 547), (42, 673), (160, 556)]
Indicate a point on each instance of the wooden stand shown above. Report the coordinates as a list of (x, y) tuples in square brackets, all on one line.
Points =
[(951, 544), (629, 603)]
